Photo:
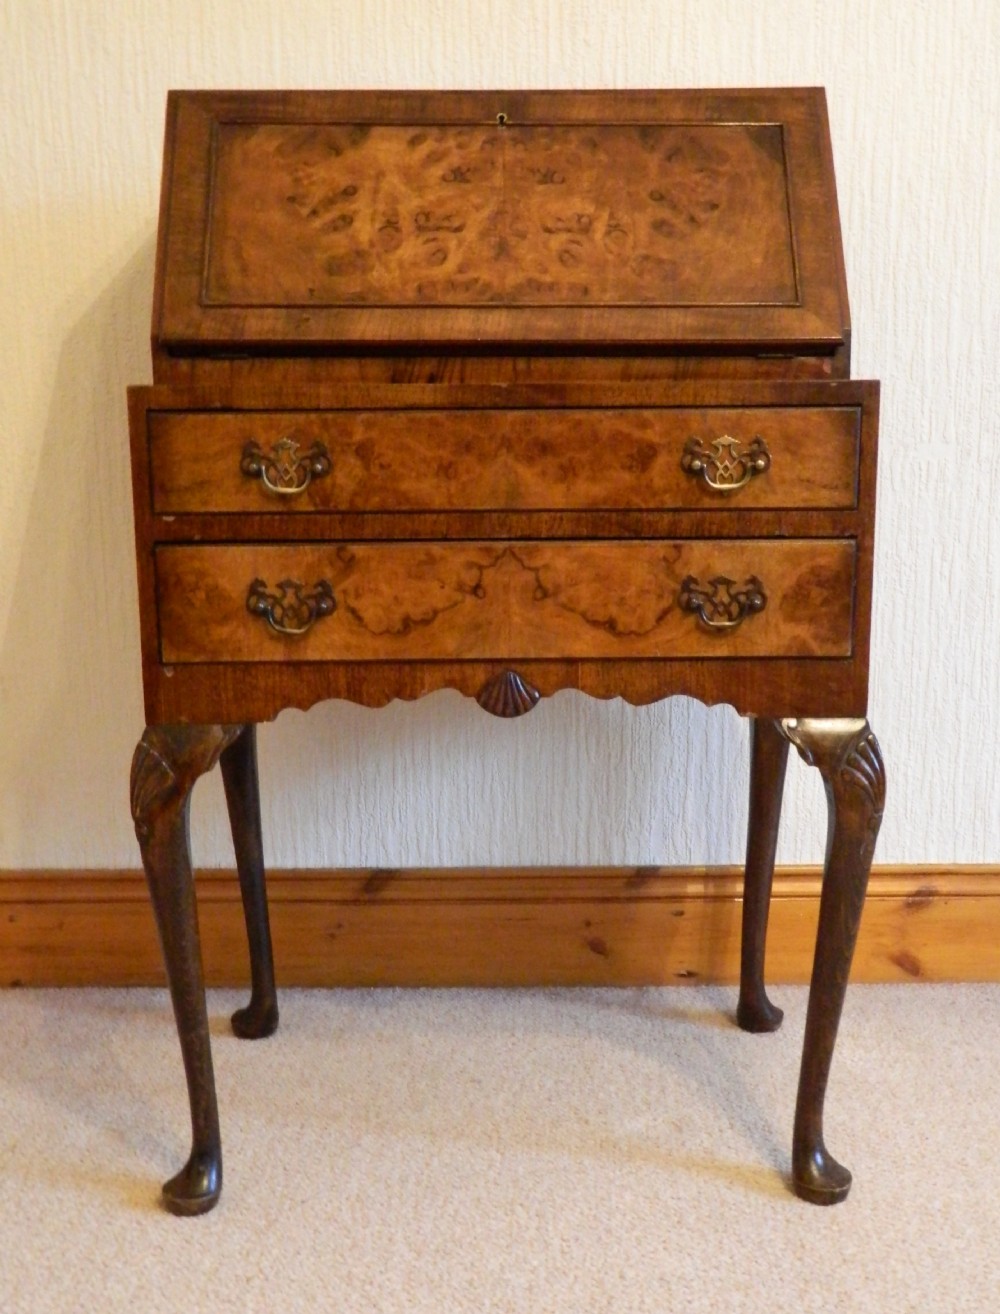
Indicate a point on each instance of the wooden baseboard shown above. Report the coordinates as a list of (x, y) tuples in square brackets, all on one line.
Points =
[(498, 926)]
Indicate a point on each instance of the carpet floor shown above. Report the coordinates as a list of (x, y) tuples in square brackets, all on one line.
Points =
[(585, 1151)]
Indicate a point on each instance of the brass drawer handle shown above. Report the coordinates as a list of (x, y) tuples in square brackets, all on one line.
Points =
[(728, 466), (721, 605), (285, 470), (294, 609)]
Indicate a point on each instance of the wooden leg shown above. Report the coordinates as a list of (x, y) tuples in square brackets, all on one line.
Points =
[(167, 762), (848, 757), (768, 759), (238, 764)]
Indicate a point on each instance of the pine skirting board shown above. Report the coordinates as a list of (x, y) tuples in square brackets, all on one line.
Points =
[(498, 926)]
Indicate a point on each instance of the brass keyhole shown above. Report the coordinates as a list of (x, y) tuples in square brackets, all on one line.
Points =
[(501, 120)]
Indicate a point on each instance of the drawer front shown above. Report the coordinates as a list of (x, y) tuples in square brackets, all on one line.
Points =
[(587, 458), (409, 601)]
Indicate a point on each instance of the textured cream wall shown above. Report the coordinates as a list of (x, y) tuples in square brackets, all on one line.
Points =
[(915, 107)]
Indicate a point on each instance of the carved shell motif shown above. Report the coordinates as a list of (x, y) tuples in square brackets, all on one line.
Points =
[(152, 781), (507, 695), (863, 770)]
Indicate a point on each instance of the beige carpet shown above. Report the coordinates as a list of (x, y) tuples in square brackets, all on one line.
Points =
[(586, 1151)]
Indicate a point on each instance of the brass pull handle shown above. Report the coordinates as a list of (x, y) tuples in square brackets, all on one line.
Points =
[(720, 605), (728, 466), (294, 609), (285, 470)]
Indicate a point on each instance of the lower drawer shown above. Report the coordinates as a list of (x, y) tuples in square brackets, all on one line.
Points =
[(346, 602)]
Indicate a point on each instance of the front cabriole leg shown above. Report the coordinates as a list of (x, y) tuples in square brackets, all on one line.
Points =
[(848, 758), (167, 762)]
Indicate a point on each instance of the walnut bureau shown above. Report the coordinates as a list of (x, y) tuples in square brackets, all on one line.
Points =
[(505, 393)]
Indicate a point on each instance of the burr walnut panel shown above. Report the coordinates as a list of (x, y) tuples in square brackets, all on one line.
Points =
[(505, 601), (502, 459), (698, 221), (553, 214)]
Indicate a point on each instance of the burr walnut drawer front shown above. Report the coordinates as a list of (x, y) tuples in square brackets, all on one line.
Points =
[(556, 458), (362, 602)]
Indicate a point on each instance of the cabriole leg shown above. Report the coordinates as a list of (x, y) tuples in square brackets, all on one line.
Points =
[(167, 762), (768, 759), (238, 765), (848, 757)]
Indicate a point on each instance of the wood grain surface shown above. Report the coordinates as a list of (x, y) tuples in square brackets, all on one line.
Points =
[(256, 690), (500, 601), (466, 219), (506, 926), (500, 458), (333, 214), (241, 375)]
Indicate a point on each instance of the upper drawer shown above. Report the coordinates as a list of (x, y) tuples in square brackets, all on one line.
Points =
[(530, 459)]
